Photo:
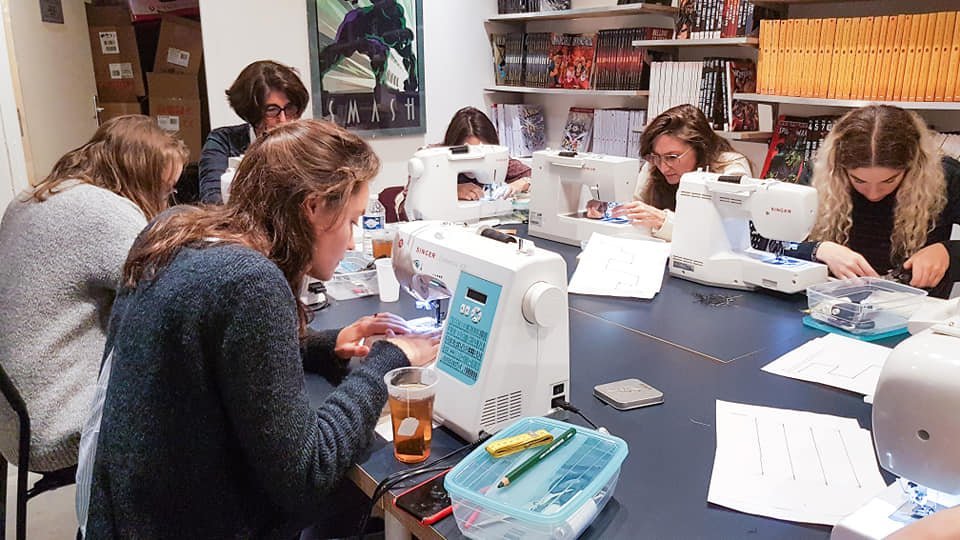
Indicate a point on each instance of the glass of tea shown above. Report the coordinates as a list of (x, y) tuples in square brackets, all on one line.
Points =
[(381, 241), (411, 390)]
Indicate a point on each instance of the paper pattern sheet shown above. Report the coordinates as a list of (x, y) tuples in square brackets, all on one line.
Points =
[(792, 465), (627, 267), (834, 360)]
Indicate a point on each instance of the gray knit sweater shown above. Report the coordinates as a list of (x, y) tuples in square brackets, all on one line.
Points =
[(207, 430), (60, 264)]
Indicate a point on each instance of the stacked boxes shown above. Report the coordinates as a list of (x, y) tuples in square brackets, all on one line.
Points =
[(172, 91)]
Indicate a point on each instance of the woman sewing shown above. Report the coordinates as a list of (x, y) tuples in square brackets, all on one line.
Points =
[(888, 201), (678, 141), (265, 95)]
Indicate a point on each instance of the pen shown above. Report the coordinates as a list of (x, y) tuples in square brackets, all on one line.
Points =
[(536, 458)]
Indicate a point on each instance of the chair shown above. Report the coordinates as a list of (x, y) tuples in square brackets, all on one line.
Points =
[(388, 198), (50, 480)]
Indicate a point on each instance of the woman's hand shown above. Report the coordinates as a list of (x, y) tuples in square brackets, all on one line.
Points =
[(521, 185), (641, 214), (421, 348), (469, 191), (350, 337), (844, 262), (928, 265)]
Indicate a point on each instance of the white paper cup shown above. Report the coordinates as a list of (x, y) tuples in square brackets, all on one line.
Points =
[(387, 280)]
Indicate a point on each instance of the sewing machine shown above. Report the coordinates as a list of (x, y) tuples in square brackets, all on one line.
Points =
[(432, 192), (563, 182), (711, 232), (505, 351), (226, 179), (915, 426)]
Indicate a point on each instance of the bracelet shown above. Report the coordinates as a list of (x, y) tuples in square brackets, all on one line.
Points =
[(813, 253)]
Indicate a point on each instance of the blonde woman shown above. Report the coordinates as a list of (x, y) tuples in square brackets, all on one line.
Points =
[(888, 200), (62, 247), (678, 141)]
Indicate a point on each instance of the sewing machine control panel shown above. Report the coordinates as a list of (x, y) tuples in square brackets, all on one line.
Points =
[(472, 310)]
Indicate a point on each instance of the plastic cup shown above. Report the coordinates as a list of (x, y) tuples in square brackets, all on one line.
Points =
[(387, 280), (411, 391)]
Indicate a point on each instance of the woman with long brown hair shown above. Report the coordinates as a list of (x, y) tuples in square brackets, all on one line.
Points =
[(678, 141), (206, 428), (62, 248), (888, 200)]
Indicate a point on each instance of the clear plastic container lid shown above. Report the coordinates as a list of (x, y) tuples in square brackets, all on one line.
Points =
[(553, 489), (864, 305)]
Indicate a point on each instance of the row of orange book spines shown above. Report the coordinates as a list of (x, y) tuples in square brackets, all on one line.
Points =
[(896, 57)]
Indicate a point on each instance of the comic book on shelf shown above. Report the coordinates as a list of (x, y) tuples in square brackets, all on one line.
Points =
[(578, 131), (742, 78), (787, 150)]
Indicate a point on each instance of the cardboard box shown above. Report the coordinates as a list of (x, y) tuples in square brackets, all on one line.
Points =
[(116, 60), (175, 105), (112, 110), (148, 10), (180, 46)]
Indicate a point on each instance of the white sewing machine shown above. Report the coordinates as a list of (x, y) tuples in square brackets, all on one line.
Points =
[(563, 182), (226, 179), (711, 232), (505, 351), (432, 193), (915, 424)]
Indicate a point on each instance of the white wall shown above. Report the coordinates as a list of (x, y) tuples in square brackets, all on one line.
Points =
[(457, 62), (13, 169)]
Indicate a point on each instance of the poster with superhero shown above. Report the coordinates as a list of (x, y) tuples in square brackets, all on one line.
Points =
[(366, 60)]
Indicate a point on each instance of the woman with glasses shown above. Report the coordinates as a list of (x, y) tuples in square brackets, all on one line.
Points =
[(678, 141), (888, 201), (265, 95)]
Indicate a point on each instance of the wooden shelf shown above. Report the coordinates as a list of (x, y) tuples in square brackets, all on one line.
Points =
[(586, 13), (720, 42), (850, 103), (567, 91), (747, 136), (789, 2)]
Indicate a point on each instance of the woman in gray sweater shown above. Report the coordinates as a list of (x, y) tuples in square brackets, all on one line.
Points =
[(207, 431), (62, 247)]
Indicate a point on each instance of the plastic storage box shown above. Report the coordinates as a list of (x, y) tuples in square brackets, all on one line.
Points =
[(556, 499), (865, 305)]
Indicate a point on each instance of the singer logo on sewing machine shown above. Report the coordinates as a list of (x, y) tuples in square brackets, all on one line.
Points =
[(780, 210), (426, 253)]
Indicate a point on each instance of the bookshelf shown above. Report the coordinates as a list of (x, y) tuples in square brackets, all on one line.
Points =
[(567, 91), (586, 13), (720, 42), (556, 102), (850, 103)]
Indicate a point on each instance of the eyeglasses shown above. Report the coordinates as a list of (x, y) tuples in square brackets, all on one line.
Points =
[(670, 160), (290, 111)]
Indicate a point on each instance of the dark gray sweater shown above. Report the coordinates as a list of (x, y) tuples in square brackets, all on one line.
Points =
[(207, 431)]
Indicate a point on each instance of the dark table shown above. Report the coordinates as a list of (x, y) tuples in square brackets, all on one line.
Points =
[(695, 353)]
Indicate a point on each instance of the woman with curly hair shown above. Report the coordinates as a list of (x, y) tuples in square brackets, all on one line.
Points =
[(888, 200), (678, 141)]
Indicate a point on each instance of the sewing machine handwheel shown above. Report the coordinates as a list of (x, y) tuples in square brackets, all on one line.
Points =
[(543, 304)]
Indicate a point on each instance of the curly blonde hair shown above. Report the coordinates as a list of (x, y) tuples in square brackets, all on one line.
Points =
[(889, 137)]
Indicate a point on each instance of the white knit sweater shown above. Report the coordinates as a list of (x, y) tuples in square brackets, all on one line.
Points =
[(60, 265)]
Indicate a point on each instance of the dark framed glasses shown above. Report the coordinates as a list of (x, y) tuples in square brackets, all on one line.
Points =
[(290, 111)]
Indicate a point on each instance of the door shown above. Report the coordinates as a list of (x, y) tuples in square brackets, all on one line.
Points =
[(13, 170), (54, 67)]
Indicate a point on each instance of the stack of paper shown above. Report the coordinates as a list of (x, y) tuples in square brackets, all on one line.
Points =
[(611, 266), (792, 465), (834, 360)]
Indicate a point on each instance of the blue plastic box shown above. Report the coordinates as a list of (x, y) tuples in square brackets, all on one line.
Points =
[(557, 499)]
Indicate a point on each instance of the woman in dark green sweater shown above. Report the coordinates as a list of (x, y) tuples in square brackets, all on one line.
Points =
[(206, 429)]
